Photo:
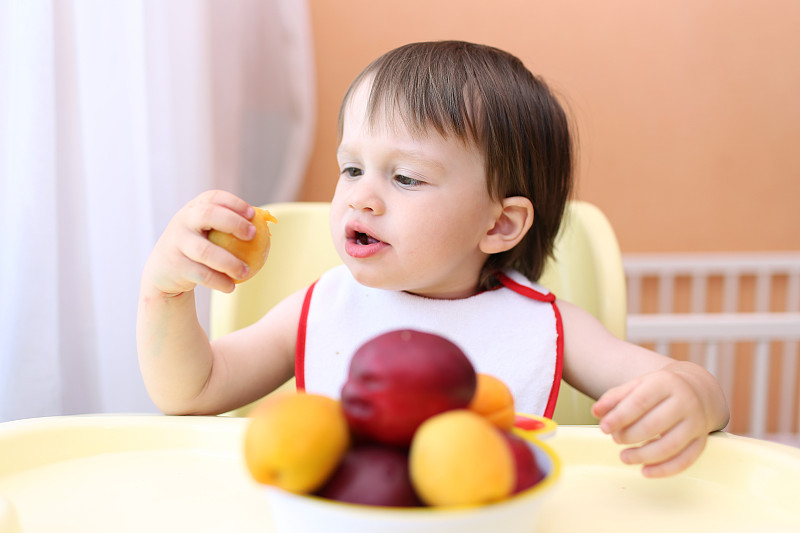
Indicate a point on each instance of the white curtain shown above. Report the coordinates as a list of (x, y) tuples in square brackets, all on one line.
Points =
[(112, 116)]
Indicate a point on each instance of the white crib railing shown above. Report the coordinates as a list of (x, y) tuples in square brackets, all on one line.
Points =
[(727, 310)]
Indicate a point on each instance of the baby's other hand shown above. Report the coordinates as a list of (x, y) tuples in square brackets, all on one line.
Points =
[(662, 415), (183, 257)]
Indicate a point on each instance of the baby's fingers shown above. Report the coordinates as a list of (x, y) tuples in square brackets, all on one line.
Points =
[(660, 419), (206, 217), (611, 398), (227, 200), (665, 456), (202, 275), (631, 402), (212, 264)]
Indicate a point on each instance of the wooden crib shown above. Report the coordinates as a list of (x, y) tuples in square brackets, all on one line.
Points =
[(737, 314)]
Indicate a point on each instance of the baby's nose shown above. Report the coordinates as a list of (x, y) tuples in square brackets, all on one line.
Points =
[(365, 197)]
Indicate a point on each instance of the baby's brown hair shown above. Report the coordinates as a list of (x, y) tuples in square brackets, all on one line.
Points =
[(487, 98)]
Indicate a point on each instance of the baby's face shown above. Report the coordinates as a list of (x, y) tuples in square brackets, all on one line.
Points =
[(409, 212)]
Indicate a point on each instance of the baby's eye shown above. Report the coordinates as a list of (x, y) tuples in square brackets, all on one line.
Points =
[(405, 181), (352, 171)]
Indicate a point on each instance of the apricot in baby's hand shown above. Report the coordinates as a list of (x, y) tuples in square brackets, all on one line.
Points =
[(253, 252)]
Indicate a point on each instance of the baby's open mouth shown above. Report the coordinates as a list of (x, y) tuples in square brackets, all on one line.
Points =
[(360, 244), (364, 239)]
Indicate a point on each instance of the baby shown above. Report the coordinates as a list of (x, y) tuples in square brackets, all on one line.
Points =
[(455, 166)]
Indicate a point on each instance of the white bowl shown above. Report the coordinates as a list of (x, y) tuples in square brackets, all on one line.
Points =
[(299, 514)]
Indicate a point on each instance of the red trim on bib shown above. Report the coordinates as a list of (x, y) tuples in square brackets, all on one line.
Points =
[(551, 298), (300, 344), (551, 402), (524, 290)]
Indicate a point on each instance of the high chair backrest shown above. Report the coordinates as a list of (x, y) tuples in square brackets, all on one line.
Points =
[(587, 271)]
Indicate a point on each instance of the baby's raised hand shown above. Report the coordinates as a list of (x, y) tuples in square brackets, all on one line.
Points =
[(662, 415), (183, 257)]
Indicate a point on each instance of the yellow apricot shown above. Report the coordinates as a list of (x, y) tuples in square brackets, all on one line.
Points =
[(459, 458), (296, 441), (253, 252), (493, 400)]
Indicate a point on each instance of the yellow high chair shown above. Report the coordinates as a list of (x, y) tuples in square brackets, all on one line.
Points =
[(587, 271)]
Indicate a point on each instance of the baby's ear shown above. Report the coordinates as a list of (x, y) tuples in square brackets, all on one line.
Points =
[(510, 227)]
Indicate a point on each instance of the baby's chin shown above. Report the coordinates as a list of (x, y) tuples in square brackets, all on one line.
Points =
[(370, 278), (376, 277)]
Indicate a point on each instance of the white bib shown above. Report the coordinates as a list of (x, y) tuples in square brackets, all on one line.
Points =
[(511, 332)]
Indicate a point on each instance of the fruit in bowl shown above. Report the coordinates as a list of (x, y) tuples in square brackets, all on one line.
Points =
[(526, 468), (300, 513), (460, 461), (401, 378), (296, 441), (494, 401), (370, 474), (460, 458)]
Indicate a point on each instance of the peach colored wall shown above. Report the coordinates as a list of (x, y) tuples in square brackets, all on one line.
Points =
[(688, 111)]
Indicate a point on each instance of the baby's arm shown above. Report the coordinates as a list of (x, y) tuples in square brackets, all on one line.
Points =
[(184, 373), (662, 407)]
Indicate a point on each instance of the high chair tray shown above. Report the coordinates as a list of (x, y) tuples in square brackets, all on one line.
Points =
[(166, 474)]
